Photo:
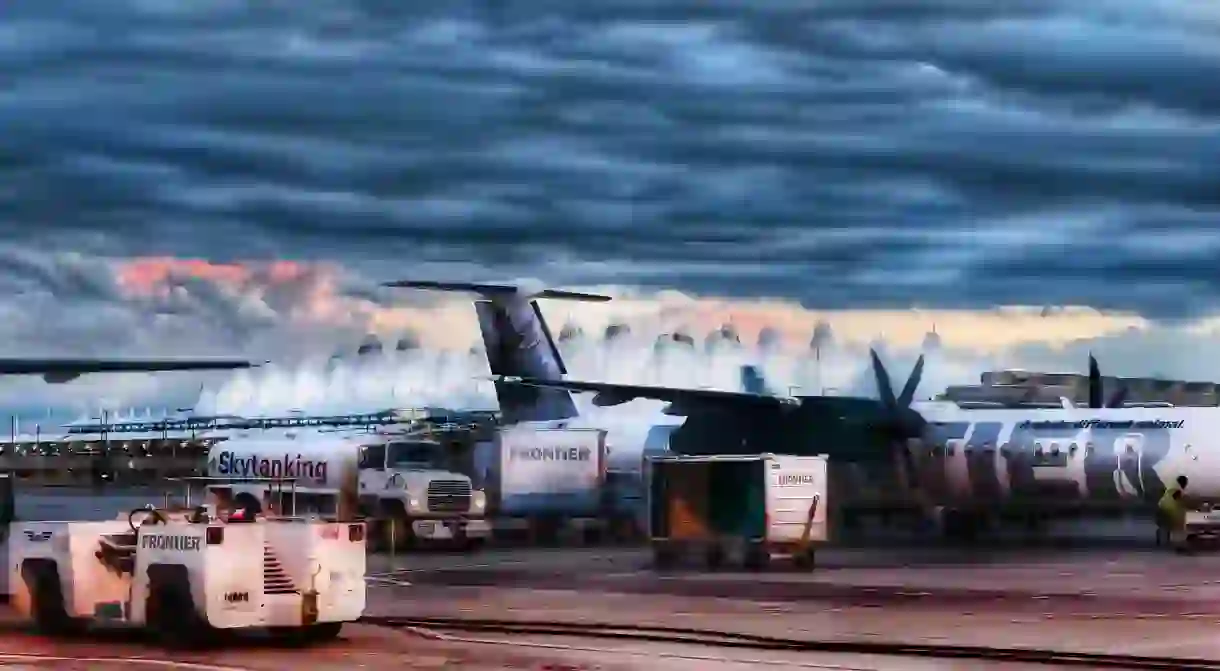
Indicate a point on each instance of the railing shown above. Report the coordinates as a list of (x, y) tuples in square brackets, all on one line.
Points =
[(440, 419)]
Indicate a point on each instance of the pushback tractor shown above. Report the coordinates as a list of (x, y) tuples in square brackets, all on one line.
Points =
[(188, 574)]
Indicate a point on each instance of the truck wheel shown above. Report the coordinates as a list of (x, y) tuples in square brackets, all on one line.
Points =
[(47, 608), (757, 557), (546, 531), (169, 609), (399, 533), (247, 501)]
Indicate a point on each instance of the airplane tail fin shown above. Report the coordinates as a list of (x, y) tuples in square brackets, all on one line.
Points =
[(519, 344), (752, 380)]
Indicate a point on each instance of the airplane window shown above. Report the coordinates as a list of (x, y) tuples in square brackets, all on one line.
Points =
[(1055, 449), (1072, 449), (1038, 449), (1089, 449)]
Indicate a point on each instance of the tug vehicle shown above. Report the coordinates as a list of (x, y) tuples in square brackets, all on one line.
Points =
[(1200, 529), (189, 573)]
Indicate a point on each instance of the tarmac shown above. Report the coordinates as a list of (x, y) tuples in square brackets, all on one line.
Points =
[(1110, 591), (1103, 593)]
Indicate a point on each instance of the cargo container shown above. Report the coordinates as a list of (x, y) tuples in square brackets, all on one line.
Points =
[(754, 506), (543, 471)]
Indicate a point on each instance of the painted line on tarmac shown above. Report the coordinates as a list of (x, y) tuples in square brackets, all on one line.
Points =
[(442, 569), (383, 580), (448, 638), (19, 657)]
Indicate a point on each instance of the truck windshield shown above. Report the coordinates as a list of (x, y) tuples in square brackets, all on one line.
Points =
[(416, 455)]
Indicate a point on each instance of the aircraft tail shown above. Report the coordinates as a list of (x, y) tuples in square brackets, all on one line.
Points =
[(752, 380), (519, 344)]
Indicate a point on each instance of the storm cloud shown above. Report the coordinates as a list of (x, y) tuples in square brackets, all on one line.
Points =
[(843, 154), (838, 155)]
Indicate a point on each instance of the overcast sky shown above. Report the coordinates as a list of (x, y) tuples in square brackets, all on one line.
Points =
[(836, 155)]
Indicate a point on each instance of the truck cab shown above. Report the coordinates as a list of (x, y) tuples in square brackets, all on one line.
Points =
[(410, 483)]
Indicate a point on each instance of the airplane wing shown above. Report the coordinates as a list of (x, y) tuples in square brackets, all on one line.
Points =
[(493, 290), (613, 394), (57, 371), (691, 401)]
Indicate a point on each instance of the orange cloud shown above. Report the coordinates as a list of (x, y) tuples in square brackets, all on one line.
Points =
[(154, 275), (310, 293)]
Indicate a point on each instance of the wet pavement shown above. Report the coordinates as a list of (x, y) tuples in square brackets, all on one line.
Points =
[(1127, 600)]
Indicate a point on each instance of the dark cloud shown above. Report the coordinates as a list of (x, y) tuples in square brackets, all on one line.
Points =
[(841, 153), (945, 153)]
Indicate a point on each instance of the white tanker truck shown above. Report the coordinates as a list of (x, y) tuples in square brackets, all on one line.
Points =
[(405, 487)]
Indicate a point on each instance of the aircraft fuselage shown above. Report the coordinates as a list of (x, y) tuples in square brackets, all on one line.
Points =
[(1052, 459)]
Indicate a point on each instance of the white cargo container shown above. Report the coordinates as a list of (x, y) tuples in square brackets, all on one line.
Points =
[(757, 505), (532, 471)]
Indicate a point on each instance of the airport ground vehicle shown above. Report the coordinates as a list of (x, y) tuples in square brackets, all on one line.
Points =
[(1201, 528), (405, 488), (189, 573), (546, 477), (756, 506)]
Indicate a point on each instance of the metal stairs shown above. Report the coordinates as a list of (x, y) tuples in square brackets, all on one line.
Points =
[(275, 579)]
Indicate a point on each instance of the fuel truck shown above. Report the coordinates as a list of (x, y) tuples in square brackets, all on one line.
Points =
[(406, 487)]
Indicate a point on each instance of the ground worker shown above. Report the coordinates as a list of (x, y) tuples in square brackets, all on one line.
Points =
[(1171, 511)]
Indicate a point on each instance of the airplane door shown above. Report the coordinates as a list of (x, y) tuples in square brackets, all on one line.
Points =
[(1129, 453)]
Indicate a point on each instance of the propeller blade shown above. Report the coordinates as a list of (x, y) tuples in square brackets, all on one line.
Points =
[(884, 389), (1117, 399), (912, 385), (752, 380), (1094, 383)]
